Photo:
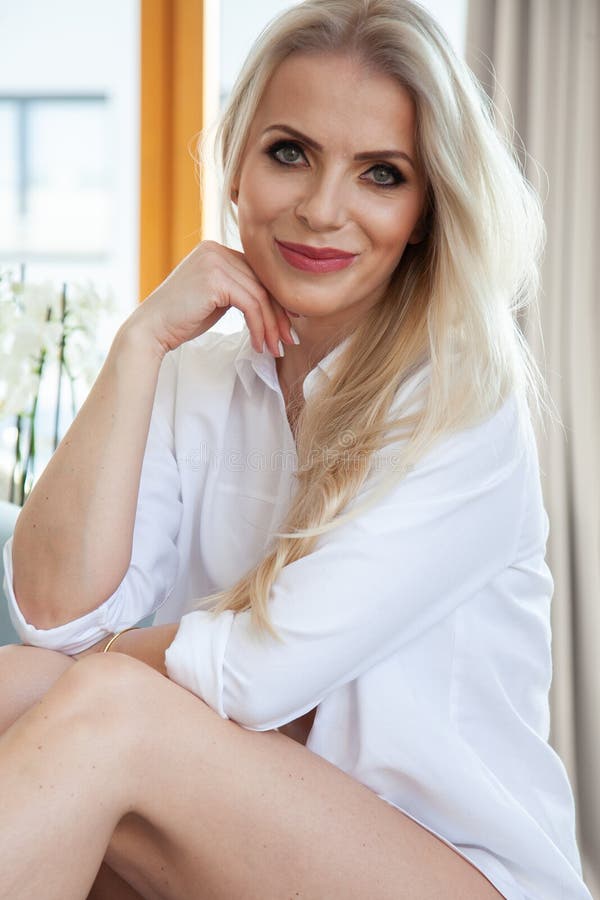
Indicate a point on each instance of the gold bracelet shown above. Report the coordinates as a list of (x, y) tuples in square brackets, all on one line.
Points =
[(118, 634)]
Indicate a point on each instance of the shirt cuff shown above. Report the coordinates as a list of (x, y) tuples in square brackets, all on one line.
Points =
[(195, 659), (71, 637)]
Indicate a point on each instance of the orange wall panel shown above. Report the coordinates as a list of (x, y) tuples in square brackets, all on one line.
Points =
[(171, 118)]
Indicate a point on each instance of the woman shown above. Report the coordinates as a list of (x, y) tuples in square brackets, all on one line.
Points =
[(344, 541)]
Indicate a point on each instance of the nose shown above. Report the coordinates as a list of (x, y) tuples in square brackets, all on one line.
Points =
[(322, 205)]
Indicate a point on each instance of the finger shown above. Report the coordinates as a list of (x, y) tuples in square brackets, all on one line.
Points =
[(283, 320), (243, 294), (227, 256), (282, 317), (239, 261), (271, 328)]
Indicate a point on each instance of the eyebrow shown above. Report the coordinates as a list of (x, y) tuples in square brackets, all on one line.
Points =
[(370, 154)]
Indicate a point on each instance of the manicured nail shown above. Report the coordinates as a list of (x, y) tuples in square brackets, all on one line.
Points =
[(281, 350), (295, 337), (264, 347)]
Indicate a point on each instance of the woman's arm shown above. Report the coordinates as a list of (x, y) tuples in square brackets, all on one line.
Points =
[(149, 645), (146, 644), (72, 541)]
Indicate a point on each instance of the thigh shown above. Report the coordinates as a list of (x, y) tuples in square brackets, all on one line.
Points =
[(26, 674), (280, 821), (234, 814)]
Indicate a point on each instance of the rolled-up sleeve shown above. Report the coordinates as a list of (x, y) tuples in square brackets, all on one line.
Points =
[(154, 558), (369, 586)]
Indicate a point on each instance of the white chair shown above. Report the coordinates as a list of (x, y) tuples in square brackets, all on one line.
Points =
[(8, 517)]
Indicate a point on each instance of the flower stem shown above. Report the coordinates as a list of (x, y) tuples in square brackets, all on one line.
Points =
[(29, 466), (61, 363), (71, 378), (17, 463)]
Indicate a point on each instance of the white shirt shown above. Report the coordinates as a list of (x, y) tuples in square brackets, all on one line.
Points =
[(420, 631)]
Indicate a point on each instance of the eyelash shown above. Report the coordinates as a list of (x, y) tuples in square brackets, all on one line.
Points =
[(394, 172)]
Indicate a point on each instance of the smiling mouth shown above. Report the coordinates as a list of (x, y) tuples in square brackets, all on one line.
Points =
[(317, 252), (312, 264)]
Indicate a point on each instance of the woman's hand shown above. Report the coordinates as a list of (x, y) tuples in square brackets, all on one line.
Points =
[(201, 289), (146, 644)]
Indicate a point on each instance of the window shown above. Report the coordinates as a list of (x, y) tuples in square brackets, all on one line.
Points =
[(57, 183), (69, 139)]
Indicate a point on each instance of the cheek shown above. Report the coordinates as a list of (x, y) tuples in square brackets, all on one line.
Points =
[(249, 226), (390, 227), (389, 238), (262, 196)]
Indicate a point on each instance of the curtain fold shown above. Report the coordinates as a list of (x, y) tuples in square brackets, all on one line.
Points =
[(540, 62)]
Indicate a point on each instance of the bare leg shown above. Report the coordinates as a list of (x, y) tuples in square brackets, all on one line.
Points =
[(118, 738), (67, 762), (26, 674)]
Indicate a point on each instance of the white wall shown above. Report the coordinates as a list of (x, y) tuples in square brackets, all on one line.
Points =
[(241, 23), (452, 16)]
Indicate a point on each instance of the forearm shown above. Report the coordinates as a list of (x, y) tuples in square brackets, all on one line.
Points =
[(146, 644), (150, 644), (73, 539)]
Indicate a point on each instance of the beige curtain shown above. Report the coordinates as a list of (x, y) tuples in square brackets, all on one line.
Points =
[(545, 55)]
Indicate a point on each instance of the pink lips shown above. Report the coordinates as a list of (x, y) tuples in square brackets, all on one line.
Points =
[(315, 259)]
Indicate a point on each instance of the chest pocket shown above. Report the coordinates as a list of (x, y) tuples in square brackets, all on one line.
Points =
[(235, 531)]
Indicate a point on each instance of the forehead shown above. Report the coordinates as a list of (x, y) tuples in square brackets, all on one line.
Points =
[(337, 100)]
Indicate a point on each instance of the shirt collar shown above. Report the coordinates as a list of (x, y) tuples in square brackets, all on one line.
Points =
[(249, 364)]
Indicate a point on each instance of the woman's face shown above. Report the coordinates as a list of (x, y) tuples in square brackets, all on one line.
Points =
[(314, 191)]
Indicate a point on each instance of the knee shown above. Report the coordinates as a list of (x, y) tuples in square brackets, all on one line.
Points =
[(25, 655), (13, 652), (110, 687), (36, 667), (26, 674), (10, 654)]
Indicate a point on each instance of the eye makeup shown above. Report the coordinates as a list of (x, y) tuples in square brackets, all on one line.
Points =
[(397, 176)]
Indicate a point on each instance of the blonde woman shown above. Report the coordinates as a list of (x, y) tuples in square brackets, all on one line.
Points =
[(340, 524)]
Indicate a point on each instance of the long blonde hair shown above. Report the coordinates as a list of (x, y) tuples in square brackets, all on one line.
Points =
[(452, 301)]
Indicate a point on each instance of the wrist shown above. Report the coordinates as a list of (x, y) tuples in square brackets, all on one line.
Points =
[(148, 646), (117, 636), (137, 335)]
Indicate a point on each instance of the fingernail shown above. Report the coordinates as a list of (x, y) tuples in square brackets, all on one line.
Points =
[(264, 347), (295, 337), (281, 350)]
